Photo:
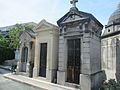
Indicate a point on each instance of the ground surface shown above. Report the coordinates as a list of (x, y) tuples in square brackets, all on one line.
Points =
[(7, 84)]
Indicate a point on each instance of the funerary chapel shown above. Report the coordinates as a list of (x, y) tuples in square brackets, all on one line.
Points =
[(73, 53)]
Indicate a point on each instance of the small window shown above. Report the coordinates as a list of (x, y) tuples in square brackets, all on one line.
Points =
[(108, 30)]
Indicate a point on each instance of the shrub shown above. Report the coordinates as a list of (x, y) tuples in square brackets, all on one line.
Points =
[(6, 54), (111, 85)]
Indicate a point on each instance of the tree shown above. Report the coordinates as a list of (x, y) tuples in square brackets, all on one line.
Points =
[(9, 44), (4, 43), (5, 52), (15, 32)]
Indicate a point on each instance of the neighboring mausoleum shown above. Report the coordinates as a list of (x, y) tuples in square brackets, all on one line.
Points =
[(46, 51), (26, 50), (110, 46)]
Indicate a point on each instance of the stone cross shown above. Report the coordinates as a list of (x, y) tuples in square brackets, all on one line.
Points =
[(73, 2)]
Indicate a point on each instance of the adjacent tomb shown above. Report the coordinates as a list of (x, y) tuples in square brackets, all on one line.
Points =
[(26, 49), (46, 51), (110, 46)]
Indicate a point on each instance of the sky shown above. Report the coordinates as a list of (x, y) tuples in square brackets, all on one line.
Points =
[(22, 11)]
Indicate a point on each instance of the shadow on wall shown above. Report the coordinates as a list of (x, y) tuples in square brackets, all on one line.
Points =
[(118, 60)]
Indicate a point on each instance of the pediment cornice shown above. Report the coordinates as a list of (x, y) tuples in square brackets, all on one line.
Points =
[(44, 25)]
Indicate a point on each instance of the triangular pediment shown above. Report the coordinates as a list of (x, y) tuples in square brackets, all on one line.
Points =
[(72, 17), (25, 36), (44, 25)]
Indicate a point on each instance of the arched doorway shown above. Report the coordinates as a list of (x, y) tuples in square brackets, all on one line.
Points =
[(24, 58)]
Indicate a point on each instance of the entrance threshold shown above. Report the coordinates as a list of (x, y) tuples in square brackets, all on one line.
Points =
[(77, 86)]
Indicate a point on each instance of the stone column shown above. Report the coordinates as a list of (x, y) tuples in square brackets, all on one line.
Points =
[(91, 76), (28, 61), (36, 60), (62, 67), (117, 66), (19, 63), (51, 74)]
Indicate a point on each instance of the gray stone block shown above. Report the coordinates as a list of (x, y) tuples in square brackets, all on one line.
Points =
[(61, 77)]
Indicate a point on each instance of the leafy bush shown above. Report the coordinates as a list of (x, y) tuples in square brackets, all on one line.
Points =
[(111, 85), (9, 44), (14, 34), (6, 54)]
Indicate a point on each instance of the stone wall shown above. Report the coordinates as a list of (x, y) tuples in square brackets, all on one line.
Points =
[(109, 55)]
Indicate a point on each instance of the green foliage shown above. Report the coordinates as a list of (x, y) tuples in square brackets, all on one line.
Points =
[(6, 54), (8, 45), (14, 34), (4, 43), (111, 85)]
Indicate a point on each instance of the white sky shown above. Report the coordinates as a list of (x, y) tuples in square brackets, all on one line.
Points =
[(22, 11)]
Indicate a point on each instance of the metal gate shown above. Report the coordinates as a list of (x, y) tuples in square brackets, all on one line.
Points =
[(73, 62), (43, 59)]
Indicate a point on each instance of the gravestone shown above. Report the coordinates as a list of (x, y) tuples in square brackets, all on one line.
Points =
[(80, 50)]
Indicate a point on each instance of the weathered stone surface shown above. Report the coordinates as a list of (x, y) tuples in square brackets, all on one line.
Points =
[(110, 46), (26, 52), (92, 82), (47, 33), (78, 25)]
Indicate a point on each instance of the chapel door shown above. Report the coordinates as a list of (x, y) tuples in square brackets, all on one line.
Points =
[(43, 59), (73, 64)]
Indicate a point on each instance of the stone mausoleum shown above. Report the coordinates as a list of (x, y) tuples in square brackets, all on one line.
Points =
[(79, 50), (110, 46), (26, 50), (46, 48), (38, 52)]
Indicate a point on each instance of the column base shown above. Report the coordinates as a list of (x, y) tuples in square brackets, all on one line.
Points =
[(93, 81), (28, 69), (61, 77), (18, 69), (35, 72), (52, 75)]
